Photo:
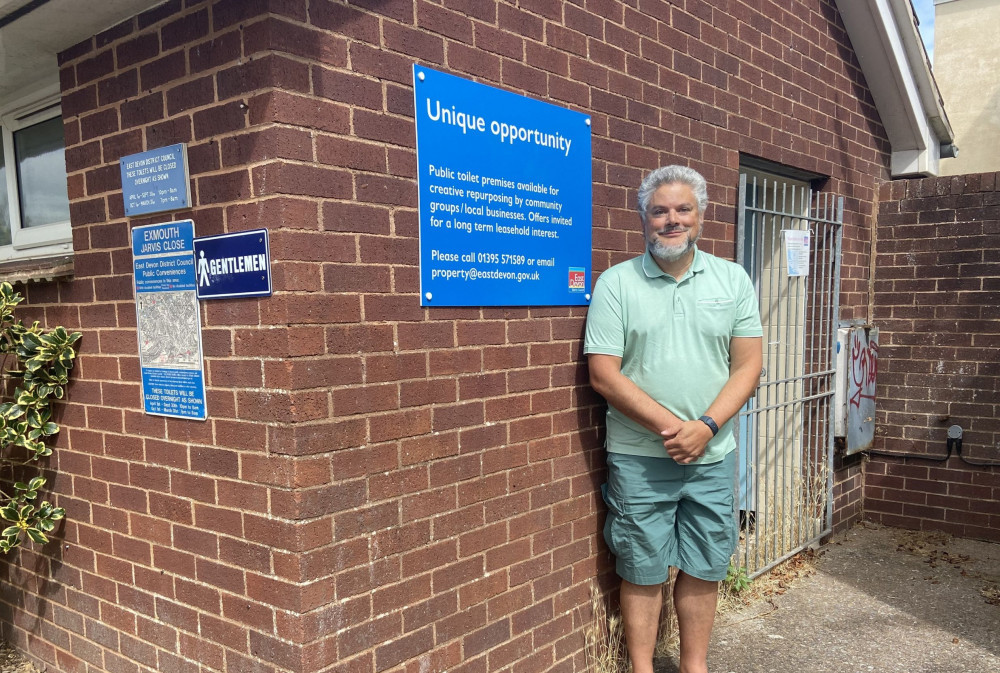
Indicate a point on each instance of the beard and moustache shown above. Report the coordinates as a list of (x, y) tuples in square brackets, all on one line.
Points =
[(671, 253)]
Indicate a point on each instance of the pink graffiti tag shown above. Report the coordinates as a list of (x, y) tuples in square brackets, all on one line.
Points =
[(864, 366)]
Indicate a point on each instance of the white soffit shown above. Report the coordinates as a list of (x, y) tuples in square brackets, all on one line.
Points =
[(37, 30), (887, 42)]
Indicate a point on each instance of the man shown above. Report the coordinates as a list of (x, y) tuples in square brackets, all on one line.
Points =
[(674, 345)]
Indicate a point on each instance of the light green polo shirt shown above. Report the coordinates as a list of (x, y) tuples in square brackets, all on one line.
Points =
[(673, 339)]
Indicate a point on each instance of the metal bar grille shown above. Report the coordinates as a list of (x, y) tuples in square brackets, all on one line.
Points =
[(785, 433)]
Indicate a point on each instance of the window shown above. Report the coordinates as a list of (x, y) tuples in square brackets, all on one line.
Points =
[(34, 205)]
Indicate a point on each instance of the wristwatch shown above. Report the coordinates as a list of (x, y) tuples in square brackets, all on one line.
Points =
[(710, 422)]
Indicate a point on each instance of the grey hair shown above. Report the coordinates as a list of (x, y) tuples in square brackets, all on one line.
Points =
[(665, 175)]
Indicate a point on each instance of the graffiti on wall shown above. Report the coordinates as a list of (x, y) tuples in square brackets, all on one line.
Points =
[(862, 371), (864, 368)]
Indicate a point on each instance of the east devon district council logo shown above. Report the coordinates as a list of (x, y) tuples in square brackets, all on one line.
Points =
[(577, 279)]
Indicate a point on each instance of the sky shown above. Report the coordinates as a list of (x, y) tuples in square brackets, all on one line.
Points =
[(925, 14)]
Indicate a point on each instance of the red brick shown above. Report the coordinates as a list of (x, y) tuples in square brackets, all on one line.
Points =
[(222, 632), (220, 50), (385, 128), (286, 178), (97, 66), (118, 88), (193, 94), (222, 188), (224, 118), (162, 70), (140, 111), (286, 108), (217, 575), (283, 36), (184, 30), (267, 71), (345, 20)]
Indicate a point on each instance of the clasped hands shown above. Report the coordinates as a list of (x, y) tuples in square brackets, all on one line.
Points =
[(685, 441)]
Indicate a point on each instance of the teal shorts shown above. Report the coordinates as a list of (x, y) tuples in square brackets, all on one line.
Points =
[(663, 514)]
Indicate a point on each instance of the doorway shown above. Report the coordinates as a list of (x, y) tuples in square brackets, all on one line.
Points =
[(789, 241)]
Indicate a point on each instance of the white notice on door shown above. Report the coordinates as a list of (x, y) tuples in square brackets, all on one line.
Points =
[(797, 252)]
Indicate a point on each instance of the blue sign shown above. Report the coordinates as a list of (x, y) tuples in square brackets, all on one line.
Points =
[(168, 320), (155, 181), (161, 256), (173, 392), (233, 265), (505, 196)]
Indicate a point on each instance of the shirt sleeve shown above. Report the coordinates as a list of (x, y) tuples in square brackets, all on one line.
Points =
[(605, 334), (747, 320)]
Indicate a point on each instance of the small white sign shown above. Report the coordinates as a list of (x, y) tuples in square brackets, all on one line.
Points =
[(797, 252)]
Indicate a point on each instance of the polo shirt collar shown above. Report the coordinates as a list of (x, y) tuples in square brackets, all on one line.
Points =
[(653, 270)]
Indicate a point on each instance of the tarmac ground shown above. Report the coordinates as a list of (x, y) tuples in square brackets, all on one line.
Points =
[(880, 600)]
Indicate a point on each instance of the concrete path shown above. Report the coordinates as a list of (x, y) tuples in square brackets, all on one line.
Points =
[(882, 600)]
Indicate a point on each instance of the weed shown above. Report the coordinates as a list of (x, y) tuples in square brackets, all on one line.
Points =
[(736, 580)]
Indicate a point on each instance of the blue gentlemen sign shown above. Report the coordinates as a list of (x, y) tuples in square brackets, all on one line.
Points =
[(505, 196), (233, 265)]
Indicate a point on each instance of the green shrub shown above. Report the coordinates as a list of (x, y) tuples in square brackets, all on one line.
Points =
[(41, 365)]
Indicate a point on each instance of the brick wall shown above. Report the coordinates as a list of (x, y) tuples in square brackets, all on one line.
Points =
[(380, 486), (848, 491), (937, 292), (194, 545)]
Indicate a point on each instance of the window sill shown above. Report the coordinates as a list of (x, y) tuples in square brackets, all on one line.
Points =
[(25, 270)]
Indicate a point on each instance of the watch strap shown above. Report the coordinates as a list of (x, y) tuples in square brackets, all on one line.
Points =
[(712, 425)]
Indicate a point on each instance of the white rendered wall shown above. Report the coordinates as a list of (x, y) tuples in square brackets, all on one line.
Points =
[(967, 70)]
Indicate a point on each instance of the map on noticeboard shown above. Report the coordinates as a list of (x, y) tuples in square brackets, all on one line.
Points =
[(504, 185)]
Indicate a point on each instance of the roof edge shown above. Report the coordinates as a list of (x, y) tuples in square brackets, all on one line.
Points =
[(887, 42)]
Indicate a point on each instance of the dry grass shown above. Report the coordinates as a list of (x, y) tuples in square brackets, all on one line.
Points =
[(667, 640), (12, 661), (605, 638), (785, 523)]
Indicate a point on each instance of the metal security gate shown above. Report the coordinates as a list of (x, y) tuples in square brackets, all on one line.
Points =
[(789, 241)]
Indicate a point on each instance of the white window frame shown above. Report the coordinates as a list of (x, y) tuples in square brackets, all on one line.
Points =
[(45, 240)]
